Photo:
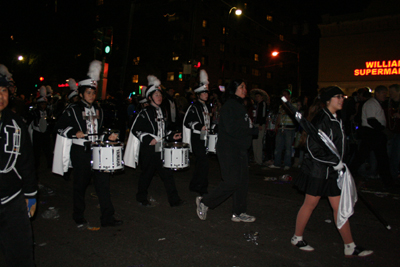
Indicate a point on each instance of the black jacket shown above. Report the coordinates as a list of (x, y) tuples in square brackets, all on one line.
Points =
[(235, 128), (145, 126), (194, 119), (17, 171), (72, 121), (261, 113), (319, 161)]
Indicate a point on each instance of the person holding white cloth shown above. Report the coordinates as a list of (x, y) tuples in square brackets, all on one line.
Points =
[(320, 171)]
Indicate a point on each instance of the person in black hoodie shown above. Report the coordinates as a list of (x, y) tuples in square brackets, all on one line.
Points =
[(319, 173), (197, 121), (82, 122), (150, 129), (235, 131), (18, 185)]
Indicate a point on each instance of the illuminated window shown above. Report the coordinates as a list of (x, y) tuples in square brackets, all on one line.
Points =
[(269, 18), (281, 37), (204, 42), (222, 47), (173, 18), (223, 30), (204, 24), (255, 72), (100, 2), (269, 75), (135, 78), (170, 76), (204, 60), (255, 57), (175, 58), (136, 60)]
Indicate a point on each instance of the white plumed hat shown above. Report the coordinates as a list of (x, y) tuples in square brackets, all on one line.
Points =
[(154, 84), (202, 87), (73, 87), (93, 75), (42, 94)]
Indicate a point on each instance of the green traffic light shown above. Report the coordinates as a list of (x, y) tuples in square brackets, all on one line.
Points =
[(107, 49)]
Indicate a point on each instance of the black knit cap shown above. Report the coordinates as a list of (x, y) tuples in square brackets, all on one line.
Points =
[(329, 92)]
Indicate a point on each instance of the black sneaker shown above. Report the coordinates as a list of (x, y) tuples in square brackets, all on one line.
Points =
[(112, 223), (179, 203), (145, 203)]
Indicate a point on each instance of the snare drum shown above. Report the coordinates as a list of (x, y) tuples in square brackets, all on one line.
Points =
[(107, 156), (212, 143), (176, 155)]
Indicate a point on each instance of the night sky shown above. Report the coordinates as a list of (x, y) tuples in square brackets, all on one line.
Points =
[(59, 40)]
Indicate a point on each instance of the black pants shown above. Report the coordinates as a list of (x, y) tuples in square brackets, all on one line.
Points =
[(235, 181), (16, 233), (150, 162), (199, 182), (373, 141), (82, 176), (42, 144)]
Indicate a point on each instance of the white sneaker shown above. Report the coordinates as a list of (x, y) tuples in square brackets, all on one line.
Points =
[(273, 167), (201, 209), (301, 244), (286, 168), (243, 217)]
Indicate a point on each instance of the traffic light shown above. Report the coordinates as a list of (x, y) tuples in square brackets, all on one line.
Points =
[(195, 68), (107, 49), (41, 79), (108, 39)]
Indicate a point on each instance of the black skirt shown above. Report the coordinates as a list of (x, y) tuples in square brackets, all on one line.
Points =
[(317, 186)]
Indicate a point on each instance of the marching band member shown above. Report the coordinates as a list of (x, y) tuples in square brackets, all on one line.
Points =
[(196, 125), (39, 120), (235, 131), (18, 183), (82, 122), (149, 128), (73, 96)]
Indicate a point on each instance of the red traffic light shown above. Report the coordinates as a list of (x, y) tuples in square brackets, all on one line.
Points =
[(41, 79)]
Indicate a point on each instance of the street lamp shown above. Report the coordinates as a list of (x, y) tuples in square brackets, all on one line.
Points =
[(238, 12), (20, 58), (276, 53)]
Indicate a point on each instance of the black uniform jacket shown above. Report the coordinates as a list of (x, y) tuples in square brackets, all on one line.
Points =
[(17, 171), (145, 126), (72, 121), (194, 118), (319, 161)]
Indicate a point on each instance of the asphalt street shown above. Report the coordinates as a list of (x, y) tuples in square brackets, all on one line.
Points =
[(165, 236)]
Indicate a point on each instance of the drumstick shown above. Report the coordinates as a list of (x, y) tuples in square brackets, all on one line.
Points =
[(85, 135)]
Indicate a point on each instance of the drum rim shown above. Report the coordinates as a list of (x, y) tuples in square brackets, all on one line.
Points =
[(107, 143), (174, 145)]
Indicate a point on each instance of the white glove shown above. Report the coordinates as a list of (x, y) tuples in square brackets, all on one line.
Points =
[(339, 166)]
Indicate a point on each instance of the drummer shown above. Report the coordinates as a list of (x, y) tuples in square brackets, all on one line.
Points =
[(150, 128), (82, 122), (196, 125)]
